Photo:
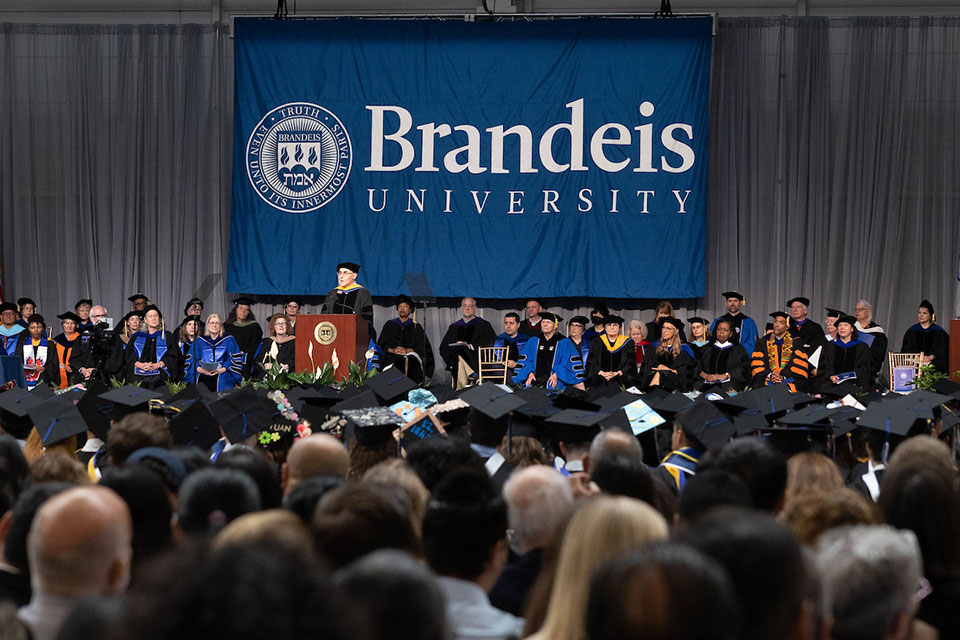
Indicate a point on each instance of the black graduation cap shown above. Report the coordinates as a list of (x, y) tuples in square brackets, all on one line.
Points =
[(82, 301), (152, 307), (43, 391), (925, 304), (833, 313), (70, 315), (8, 306), (374, 435), (244, 300), (842, 390), (617, 419), (241, 414), (612, 318), (837, 420), (57, 419), (947, 387), (96, 412), (137, 296), (889, 417), (391, 385), (195, 425), (23, 301), (129, 315), (404, 298), (581, 320), (538, 403), (676, 322), (848, 319), (697, 319), (492, 400), (705, 425), (779, 314), (548, 315), (442, 392), (191, 302), (573, 398), (770, 400), (523, 426), (804, 301), (131, 398), (351, 266), (36, 318), (358, 400), (621, 399), (577, 425), (671, 404), (14, 407), (732, 294)]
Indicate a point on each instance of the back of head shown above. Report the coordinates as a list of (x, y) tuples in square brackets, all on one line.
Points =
[(144, 492), (304, 498), (924, 501), (274, 527), (663, 592), (624, 475), (135, 431), (316, 455), (465, 519), (764, 563), (80, 543), (600, 529), (809, 471), (614, 442), (24, 511), (356, 519), (924, 451), (14, 471), (392, 597), (59, 466), (211, 498), (869, 574), (709, 490), (434, 458), (262, 471), (399, 474), (539, 500), (810, 515), (760, 466)]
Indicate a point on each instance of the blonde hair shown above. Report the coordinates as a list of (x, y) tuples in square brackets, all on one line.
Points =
[(809, 471), (271, 528), (674, 346), (396, 472), (601, 529), (206, 326)]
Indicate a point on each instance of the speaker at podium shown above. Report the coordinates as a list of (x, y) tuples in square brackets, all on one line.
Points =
[(335, 338)]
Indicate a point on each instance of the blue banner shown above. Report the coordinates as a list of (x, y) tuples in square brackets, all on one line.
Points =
[(502, 159)]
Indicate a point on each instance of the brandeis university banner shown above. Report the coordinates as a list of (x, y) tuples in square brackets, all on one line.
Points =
[(502, 159)]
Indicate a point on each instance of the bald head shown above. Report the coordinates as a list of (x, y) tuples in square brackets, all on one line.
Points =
[(80, 544), (613, 442), (538, 501), (316, 455)]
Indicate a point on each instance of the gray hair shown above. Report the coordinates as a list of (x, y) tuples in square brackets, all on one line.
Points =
[(866, 305), (869, 574), (637, 324), (538, 501), (614, 442)]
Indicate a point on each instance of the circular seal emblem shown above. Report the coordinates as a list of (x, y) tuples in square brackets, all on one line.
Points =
[(298, 157), (325, 333)]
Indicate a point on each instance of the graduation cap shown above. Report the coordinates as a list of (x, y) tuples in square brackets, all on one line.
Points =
[(138, 296), (733, 294), (130, 399), (492, 400), (842, 390), (191, 302), (769, 400), (846, 318), (349, 266), (612, 318), (779, 314), (925, 304), (705, 425), (947, 387), (833, 313), (195, 425), (244, 300), (890, 418), (577, 425), (548, 315), (241, 414), (96, 412), (404, 299), (573, 398), (8, 306), (538, 403), (804, 301), (442, 392), (581, 320), (640, 417), (68, 315), (17, 402), (129, 315), (697, 319), (24, 301), (373, 425), (152, 307), (36, 317), (838, 420), (358, 400), (676, 322), (620, 399), (56, 419), (390, 385), (671, 404), (81, 302)]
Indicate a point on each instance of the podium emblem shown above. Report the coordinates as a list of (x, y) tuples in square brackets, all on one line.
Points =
[(325, 333)]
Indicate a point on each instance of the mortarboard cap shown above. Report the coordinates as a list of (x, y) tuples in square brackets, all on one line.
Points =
[(804, 301), (57, 419), (195, 425), (676, 322), (404, 298), (69, 315), (152, 307), (576, 425), (848, 319), (732, 294), (671, 404), (8, 306), (350, 266), (241, 414), (779, 314), (492, 400), (706, 426), (581, 320), (697, 319), (36, 317), (82, 301), (358, 400), (186, 319), (573, 398), (244, 300), (612, 318), (137, 296), (23, 301), (390, 385), (548, 315), (946, 387), (538, 403), (191, 302), (889, 417), (132, 397), (17, 401), (374, 435), (130, 314), (925, 304), (618, 400), (833, 313), (770, 400), (96, 412)]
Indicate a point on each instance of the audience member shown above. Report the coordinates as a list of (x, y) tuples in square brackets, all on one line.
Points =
[(211, 498), (146, 497), (135, 431), (58, 466), (760, 466), (273, 527), (810, 515), (261, 470), (303, 500), (434, 458), (316, 455), (396, 473), (709, 490)]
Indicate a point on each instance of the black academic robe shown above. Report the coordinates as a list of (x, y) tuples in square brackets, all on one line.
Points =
[(878, 350), (603, 356), (653, 331), (546, 351), (143, 348), (51, 367), (682, 363), (810, 333), (409, 335), (934, 340), (477, 333), (353, 300), (838, 358), (767, 358), (286, 354), (731, 360), (248, 338)]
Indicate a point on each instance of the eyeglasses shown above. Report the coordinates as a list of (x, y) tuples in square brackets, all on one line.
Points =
[(859, 308)]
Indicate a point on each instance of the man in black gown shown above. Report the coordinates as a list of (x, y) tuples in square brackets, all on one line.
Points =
[(348, 297), (464, 336), (810, 333), (405, 344)]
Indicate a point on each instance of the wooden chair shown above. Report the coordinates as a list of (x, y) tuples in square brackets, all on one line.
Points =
[(895, 360), (493, 364)]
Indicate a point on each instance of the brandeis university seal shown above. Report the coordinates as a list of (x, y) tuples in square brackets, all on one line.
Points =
[(298, 157)]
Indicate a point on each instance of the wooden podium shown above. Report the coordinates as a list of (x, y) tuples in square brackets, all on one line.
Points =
[(319, 337)]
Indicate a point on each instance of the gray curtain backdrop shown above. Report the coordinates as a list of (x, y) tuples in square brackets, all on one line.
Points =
[(834, 164)]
